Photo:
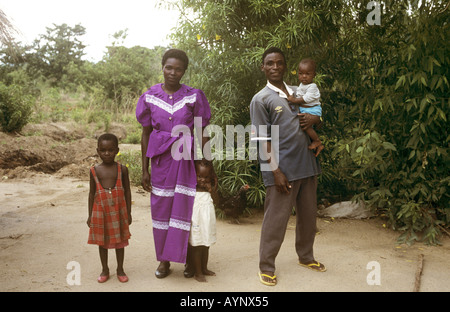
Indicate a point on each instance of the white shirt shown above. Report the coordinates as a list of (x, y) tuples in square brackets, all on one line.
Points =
[(280, 92), (310, 94)]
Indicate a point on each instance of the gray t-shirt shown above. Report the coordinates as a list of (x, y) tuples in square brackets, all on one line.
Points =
[(268, 108)]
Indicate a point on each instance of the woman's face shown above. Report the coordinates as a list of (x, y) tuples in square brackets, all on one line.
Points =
[(173, 71)]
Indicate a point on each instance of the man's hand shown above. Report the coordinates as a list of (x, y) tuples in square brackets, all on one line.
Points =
[(308, 120), (281, 182)]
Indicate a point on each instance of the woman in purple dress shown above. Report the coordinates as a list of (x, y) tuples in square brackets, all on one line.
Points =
[(163, 111)]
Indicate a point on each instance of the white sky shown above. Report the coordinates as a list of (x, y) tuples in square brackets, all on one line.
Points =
[(148, 25)]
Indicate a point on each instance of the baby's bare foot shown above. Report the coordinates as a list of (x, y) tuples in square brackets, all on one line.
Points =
[(318, 146)]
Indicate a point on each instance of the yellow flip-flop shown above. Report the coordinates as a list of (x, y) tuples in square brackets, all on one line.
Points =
[(315, 266), (272, 278)]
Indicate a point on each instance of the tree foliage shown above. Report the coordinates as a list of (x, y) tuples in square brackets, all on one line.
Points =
[(54, 63), (384, 90), (384, 93), (54, 51), (126, 71)]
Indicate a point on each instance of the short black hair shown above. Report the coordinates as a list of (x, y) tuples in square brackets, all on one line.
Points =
[(108, 137), (204, 163), (309, 61), (273, 50), (177, 54)]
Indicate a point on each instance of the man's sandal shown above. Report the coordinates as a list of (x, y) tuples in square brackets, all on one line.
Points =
[(315, 266), (272, 282)]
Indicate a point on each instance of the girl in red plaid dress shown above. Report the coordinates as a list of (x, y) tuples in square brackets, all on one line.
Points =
[(109, 206)]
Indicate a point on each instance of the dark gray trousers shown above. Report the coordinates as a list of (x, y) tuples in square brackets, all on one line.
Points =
[(277, 210)]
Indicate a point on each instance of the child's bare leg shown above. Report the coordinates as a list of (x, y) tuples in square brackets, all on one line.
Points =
[(315, 141), (205, 256), (197, 263), (120, 254), (188, 267), (104, 260)]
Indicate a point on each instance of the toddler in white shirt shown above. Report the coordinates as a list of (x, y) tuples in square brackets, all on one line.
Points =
[(308, 97)]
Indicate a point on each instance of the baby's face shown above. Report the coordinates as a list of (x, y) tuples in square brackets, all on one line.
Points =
[(306, 73)]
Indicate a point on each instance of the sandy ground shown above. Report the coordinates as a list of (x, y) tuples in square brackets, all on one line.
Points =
[(43, 229), (43, 232)]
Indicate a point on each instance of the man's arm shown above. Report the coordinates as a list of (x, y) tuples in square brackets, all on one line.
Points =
[(281, 182)]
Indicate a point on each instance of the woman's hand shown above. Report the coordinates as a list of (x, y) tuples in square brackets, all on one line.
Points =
[(146, 181)]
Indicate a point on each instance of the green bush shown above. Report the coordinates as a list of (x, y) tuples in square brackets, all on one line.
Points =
[(132, 159), (384, 94), (395, 133), (15, 108)]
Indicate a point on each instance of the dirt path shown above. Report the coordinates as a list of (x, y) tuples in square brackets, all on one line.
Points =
[(42, 229), (43, 209)]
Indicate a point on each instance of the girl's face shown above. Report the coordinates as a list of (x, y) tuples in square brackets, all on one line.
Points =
[(173, 71), (306, 73), (203, 176), (107, 150)]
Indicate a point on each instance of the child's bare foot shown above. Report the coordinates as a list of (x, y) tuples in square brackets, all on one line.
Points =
[(317, 145), (209, 273), (200, 278), (314, 144), (319, 149)]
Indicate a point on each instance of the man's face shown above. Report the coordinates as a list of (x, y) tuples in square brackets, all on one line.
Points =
[(274, 67)]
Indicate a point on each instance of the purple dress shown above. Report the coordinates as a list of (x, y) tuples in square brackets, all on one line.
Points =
[(173, 178)]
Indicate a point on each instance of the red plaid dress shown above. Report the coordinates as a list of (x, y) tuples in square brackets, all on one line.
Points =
[(109, 219)]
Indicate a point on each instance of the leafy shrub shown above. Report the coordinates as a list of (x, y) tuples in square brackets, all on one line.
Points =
[(15, 108), (397, 136), (132, 159), (384, 94)]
